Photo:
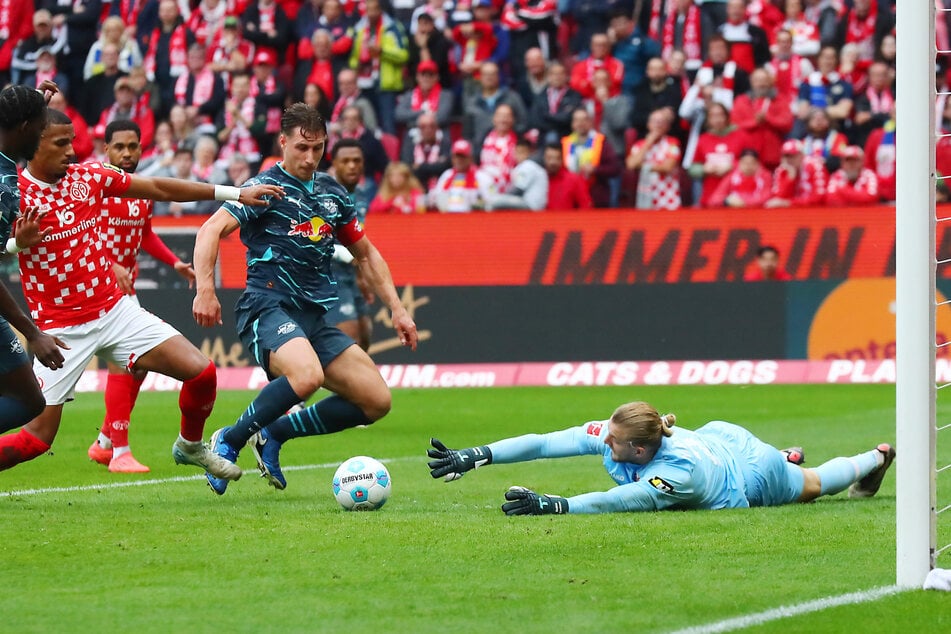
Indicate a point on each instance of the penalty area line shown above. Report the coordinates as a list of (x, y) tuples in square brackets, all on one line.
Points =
[(159, 481), (742, 622)]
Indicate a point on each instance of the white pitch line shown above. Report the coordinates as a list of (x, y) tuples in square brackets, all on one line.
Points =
[(142, 483), (742, 622)]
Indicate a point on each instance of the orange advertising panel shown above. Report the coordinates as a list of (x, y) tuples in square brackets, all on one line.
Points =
[(622, 246)]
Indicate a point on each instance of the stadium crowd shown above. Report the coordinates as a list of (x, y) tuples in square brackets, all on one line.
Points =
[(493, 104)]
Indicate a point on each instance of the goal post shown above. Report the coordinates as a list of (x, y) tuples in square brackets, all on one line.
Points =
[(915, 392)]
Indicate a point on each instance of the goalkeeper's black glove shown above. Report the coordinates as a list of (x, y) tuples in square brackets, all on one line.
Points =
[(522, 501), (451, 464)]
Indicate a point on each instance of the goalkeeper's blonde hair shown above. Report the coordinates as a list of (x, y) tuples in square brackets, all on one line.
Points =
[(642, 425)]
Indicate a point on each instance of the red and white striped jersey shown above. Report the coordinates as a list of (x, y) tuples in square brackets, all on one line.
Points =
[(67, 279), (124, 223)]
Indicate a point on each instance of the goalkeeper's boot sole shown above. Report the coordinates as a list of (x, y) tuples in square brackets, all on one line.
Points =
[(869, 485)]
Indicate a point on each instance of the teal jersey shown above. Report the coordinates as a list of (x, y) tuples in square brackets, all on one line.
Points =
[(290, 241), (9, 197), (718, 466)]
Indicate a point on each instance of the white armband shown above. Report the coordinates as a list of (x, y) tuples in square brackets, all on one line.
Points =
[(342, 254), (227, 192), (12, 246)]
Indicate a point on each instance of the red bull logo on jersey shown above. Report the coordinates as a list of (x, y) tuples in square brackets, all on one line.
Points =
[(315, 229)]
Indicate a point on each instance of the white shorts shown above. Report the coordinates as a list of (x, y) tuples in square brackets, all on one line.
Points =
[(122, 335)]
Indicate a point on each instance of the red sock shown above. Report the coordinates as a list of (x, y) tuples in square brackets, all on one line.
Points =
[(20, 447), (196, 400), (121, 392)]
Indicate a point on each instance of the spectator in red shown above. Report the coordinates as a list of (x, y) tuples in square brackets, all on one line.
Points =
[(229, 52), (400, 192), (720, 79), (767, 267), (16, 25), (235, 122), (765, 15), (463, 187), (853, 184), (166, 57), (826, 89), (82, 142), (550, 113), (874, 106), (656, 161), (201, 91), (318, 68), (266, 25), (351, 95), (749, 44), (880, 156), (426, 149), (764, 116), (717, 152), (788, 68), (128, 106), (746, 186), (588, 153), (582, 74), (864, 25), (475, 43), (269, 94), (207, 19), (823, 141), (566, 190), (497, 156), (427, 96), (804, 34), (800, 180)]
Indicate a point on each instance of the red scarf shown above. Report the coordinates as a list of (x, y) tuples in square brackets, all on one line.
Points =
[(369, 66), (788, 73), (129, 11), (429, 103), (861, 29), (177, 52), (134, 113), (201, 92), (267, 20), (240, 139), (342, 103), (691, 36), (881, 104), (657, 7), (273, 124), (465, 180), (728, 76), (554, 98)]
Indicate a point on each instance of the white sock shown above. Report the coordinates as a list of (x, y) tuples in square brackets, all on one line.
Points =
[(118, 451), (104, 441)]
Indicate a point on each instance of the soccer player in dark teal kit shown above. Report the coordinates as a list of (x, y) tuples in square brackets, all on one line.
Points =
[(22, 120), (290, 245)]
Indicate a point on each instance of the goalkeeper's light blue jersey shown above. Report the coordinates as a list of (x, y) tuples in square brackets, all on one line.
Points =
[(720, 465)]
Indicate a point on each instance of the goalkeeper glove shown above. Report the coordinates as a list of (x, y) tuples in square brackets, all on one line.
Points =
[(451, 464), (522, 501)]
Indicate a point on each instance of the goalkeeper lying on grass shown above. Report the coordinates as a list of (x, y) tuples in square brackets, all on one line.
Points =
[(657, 467)]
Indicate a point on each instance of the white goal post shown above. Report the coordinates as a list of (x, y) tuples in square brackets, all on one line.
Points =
[(915, 390)]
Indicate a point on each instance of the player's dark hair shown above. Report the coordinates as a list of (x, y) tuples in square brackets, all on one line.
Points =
[(555, 146), (122, 125), (307, 119), (345, 143), (57, 117), (19, 104)]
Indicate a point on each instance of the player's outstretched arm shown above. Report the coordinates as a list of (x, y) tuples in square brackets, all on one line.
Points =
[(452, 464), (26, 230), (177, 190), (522, 501), (377, 273), (206, 309)]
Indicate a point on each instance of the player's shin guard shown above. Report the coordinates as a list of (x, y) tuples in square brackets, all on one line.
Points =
[(837, 474), (276, 398), (327, 416), (20, 447), (196, 401), (14, 413)]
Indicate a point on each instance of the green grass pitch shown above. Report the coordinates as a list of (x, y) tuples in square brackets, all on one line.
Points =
[(80, 554)]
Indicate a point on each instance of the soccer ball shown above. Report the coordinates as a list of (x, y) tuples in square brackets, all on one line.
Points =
[(362, 484)]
